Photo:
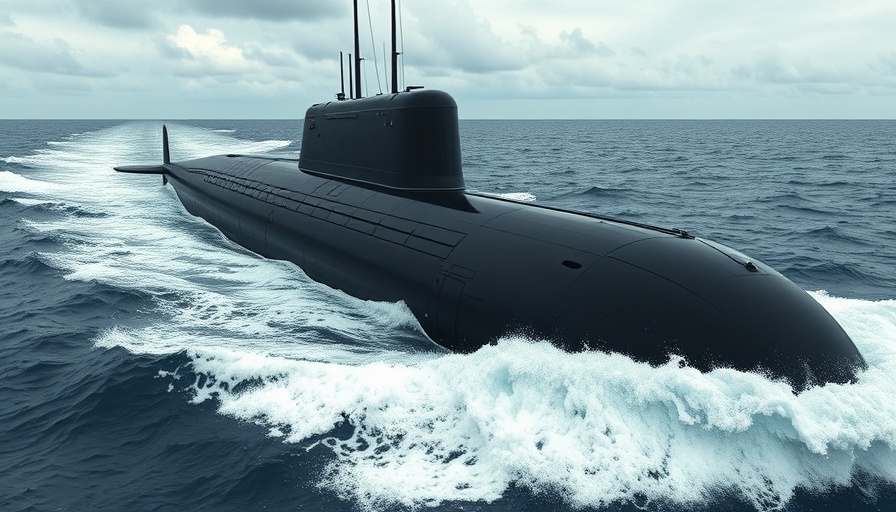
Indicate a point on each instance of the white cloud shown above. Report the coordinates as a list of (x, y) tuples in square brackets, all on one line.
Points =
[(209, 52)]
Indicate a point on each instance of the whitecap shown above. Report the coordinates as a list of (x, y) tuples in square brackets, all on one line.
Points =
[(12, 182)]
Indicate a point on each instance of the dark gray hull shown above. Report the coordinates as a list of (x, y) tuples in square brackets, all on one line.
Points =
[(473, 268)]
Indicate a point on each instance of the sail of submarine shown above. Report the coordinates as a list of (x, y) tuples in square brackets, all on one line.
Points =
[(376, 206)]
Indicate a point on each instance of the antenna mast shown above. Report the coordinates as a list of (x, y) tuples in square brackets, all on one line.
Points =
[(357, 54), (351, 88), (341, 95), (394, 54)]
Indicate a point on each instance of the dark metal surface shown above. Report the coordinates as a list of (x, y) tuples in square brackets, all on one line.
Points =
[(383, 217), (407, 140)]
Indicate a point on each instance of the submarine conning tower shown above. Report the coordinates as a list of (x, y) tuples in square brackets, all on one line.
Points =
[(407, 140)]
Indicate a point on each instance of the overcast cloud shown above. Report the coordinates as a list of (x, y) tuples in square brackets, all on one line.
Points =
[(499, 58), (273, 10), (124, 14)]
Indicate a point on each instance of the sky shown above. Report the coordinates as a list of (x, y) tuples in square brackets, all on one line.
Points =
[(500, 59)]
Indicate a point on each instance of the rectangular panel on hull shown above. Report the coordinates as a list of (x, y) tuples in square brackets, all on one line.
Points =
[(446, 293)]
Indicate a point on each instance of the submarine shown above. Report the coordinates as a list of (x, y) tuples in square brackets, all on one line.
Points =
[(376, 206)]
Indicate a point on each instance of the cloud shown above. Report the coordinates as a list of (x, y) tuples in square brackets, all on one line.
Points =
[(498, 49), (572, 45), (208, 53), (580, 45), (452, 35), (124, 14), (271, 10), (22, 52), (889, 60), (321, 45), (272, 56), (639, 52), (775, 65)]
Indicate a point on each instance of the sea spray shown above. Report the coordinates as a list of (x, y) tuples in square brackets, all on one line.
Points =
[(595, 428)]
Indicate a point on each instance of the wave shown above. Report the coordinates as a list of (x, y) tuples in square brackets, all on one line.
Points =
[(523, 197), (596, 428), (788, 197), (12, 182), (50, 206), (132, 236), (50, 311), (821, 184), (194, 142), (27, 201), (818, 212), (30, 265), (596, 192), (740, 217), (93, 154), (830, 272), (832, 234)]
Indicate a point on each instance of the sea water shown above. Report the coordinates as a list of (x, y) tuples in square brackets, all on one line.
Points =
[(147, 362)]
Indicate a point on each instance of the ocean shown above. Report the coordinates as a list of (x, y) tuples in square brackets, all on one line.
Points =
[(148, 363)]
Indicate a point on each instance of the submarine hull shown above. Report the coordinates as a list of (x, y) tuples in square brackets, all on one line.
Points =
[(474, 268), (375, 206)]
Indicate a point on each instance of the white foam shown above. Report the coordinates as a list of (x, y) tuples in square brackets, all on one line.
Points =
[(28, 201), (205, 290), (214, 294), (523, 197), (597, 428), (193, 142), (12, 182), (92, 155)]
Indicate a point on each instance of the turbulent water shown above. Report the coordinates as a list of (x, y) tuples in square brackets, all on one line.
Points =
[(148, 363)]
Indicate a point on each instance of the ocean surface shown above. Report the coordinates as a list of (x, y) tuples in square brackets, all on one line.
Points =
[(148, 363)]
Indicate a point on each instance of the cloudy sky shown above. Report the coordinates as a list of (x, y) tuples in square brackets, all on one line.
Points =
[(164, 59)]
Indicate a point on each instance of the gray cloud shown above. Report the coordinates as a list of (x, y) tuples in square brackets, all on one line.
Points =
[(271, 10), (276, 58), (573, 45), (141, 14), (125, 14), (169, 50), (580, 45), (6, 20), (22, 52), (455, 37), (889, 60), (639, 52), (317, 46), (774, 65)]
